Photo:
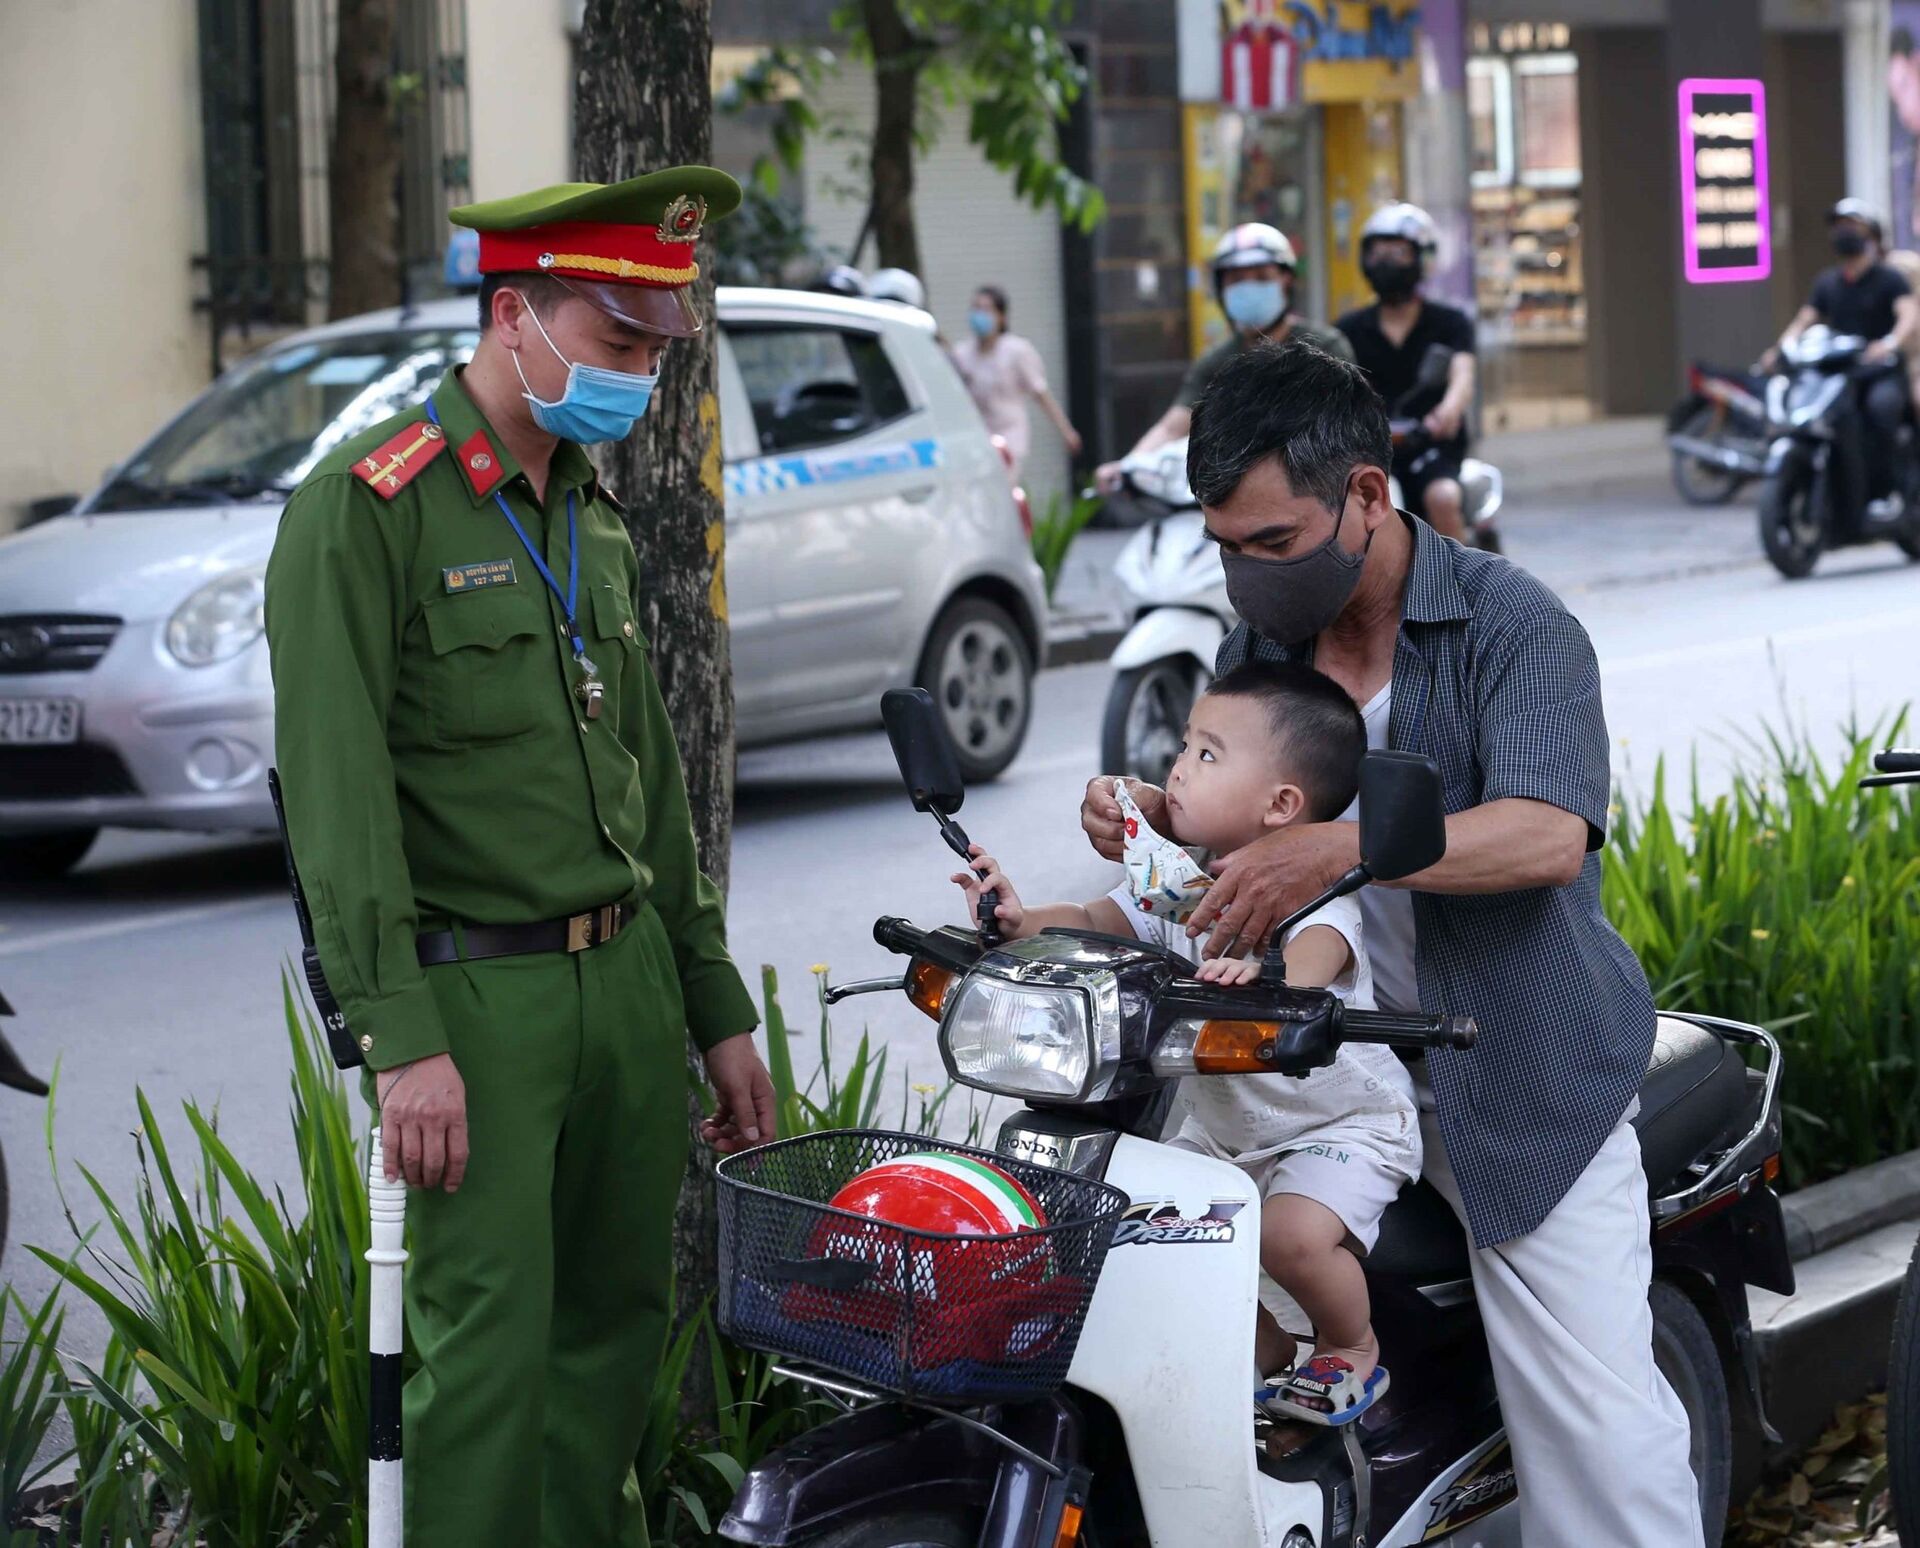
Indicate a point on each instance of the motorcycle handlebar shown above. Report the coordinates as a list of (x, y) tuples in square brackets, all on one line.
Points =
[(1898, 760), (1397, 1030), (898, 936)]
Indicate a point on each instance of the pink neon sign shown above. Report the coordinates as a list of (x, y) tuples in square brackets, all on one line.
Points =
[(1725, 228)]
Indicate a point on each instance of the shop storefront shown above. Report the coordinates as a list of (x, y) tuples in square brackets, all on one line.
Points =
[(1308, 115), (1529, 292)]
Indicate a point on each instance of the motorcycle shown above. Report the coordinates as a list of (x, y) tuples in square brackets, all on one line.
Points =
[(1177, 602), (1718, 434), (1482, 490), (15, 1074), (1817, 494), (1901, 766), (1087, 1386)]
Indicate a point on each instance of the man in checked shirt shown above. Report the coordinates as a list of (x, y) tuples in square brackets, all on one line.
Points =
[(1462, 656)]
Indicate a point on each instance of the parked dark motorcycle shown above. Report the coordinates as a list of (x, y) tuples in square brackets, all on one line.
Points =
[(1085, 1383), (1819, 493), (1718, 434), (1901, 766), (1482, 490), (16, 1075)]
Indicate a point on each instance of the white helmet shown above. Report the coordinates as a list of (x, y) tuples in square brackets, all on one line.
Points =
[(1404, 222), (897, 285), (1249, 246)]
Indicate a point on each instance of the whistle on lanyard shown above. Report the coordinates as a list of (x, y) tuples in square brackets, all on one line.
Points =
[(590, 691)]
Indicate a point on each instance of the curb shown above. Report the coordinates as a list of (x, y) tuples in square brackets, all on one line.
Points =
[(1851, 1238)]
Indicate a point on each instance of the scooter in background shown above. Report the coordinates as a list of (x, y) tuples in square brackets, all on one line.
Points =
[(1179, 614), (1718, 434), (17, 1076), (1482, 489)]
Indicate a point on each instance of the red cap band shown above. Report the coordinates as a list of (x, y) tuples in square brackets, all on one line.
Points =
[(591, 249)]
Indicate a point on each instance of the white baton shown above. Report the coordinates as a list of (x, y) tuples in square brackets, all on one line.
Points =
[(387, 1253)]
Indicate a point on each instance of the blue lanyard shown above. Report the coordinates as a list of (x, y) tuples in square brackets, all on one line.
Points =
[(571, 596)]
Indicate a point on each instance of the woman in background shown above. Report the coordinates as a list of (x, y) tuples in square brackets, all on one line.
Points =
[(1003, 370)]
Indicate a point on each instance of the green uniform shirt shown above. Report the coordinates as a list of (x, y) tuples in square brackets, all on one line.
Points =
[(436, 761), (1201, 373)]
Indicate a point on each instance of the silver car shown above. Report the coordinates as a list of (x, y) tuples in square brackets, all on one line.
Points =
[(872, 541)]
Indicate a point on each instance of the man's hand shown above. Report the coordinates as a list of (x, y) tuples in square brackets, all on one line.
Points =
[(984, 875), (1106, 478), (423, 1122), (1878, 352), (743, 1112), (1768, 360), (1100, 813), (1444, 422), (1258, 886)]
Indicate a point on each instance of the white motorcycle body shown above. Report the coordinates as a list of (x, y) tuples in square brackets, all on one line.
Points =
[(1168, 1343)]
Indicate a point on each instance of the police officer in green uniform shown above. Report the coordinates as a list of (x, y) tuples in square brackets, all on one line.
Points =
[(486, 803)]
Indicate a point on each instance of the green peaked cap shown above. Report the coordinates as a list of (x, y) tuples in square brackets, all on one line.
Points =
[(639, 201)]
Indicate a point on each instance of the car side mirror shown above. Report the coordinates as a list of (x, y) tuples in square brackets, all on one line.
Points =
[(929, 763), (1403, 817)]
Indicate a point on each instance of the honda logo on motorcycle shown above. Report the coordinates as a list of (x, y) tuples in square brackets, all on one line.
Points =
[(1152, 1222)]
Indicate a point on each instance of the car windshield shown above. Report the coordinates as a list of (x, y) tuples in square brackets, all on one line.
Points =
[(258, 430)]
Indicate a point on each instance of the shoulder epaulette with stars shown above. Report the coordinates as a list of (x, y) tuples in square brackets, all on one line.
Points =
[(391, 467)]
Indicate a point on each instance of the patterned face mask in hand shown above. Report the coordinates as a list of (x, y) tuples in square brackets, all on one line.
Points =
[(1164, 878)]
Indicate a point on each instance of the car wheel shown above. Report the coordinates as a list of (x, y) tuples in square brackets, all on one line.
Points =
[(42, 856), (1688, 1358), (980, 673)]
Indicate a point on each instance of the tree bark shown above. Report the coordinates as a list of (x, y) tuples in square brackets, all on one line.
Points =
[(645, 102), (363, 169), (898, 57)]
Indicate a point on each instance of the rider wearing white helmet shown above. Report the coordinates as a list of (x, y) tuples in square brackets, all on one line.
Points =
[(897, 285), (1253, 276), (1391, 339), (1863, 296)]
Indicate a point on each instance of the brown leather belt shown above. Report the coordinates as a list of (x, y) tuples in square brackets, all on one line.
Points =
[(578, 933)]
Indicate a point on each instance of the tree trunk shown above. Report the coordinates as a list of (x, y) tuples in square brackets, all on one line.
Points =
[(898, 57), (363, 169), (645, 102)]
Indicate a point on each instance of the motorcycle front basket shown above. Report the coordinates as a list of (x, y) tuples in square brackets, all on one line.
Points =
[(926, 1315)]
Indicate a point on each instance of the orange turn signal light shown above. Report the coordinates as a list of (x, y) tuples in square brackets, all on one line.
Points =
[(1234, 1047), (927, 986), (1069, 1534), (1770, 1168)]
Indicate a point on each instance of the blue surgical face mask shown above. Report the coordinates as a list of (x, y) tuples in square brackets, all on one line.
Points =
[(1254, 304), (598, 405), (982, 322)]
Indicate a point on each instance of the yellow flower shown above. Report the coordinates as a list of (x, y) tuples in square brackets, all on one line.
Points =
[(926, 1090), (1761, 935), (819, 970), (1846, 881)]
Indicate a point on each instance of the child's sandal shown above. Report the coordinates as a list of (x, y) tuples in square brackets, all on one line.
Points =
[(1326, 1391)]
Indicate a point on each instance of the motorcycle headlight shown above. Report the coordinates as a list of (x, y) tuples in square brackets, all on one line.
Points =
[(1020, 1039), (219, 620)]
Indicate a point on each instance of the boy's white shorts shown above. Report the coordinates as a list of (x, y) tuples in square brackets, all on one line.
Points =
[(1356, 1183)]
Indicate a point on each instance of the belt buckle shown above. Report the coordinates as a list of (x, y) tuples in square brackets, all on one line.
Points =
[(579, 932)]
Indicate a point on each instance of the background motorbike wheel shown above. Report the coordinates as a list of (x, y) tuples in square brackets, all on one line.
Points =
[(1700, 483), (1146, 714), (908, 1529), (1903, 1408), (1687, 1356), (1790, 527)]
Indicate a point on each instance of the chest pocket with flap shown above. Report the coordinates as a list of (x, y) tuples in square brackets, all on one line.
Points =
[(491, 666), (616, 641)]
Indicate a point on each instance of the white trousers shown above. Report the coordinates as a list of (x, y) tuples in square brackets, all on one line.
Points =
[(1600, 1442)]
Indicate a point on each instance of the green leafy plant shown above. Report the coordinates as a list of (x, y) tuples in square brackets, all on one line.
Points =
[(1055, 528), (1791, 901), (29, 1401)]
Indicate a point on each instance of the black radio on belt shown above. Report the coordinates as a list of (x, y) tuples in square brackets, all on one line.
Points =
[(346, 1052)]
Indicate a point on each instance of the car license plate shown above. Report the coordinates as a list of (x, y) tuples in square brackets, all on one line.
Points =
[(39, 722)]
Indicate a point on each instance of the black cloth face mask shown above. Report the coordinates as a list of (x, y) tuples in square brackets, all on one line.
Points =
[(1849, 244), (1289, 601), (1391, 281)]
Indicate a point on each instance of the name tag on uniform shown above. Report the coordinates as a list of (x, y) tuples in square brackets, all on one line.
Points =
[(471, 577)]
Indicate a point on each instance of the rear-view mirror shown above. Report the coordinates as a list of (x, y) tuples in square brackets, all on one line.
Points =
[(1403, 819), (929, 765)]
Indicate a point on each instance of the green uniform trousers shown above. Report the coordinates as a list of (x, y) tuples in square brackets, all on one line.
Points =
[(538, 1297)]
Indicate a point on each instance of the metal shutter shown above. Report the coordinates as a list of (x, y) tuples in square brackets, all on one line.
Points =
[(973, 231)]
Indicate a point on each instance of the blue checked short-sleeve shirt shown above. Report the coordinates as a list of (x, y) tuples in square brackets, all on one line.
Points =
[(1497, 682)]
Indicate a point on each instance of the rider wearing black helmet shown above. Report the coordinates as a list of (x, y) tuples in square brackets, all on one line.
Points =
[(1863, 296), (1391, 338), (1253, 279)]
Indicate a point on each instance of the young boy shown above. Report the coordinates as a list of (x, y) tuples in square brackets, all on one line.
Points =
[(1267, 746)]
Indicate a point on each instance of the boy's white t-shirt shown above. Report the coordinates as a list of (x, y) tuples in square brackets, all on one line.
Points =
[(1364, 1098), (1388, 911)]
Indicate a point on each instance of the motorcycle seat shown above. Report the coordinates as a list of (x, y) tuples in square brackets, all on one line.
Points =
[(1693, 1100)]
